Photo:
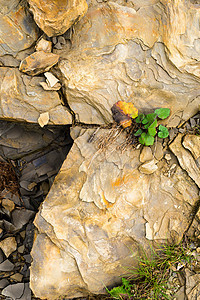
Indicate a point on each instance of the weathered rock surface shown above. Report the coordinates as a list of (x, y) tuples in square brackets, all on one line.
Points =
[(97, 214), (119, 53), (23, 99), (38, 62), (188, 159), (56, 16), (18, 29)]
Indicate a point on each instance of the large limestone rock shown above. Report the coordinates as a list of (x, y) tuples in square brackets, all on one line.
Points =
[(98, 214), (119, 53), (18, 29), (23, 99), (56, 16)]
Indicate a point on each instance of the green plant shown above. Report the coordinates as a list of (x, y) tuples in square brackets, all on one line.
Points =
[(150, 279), (148, 126)]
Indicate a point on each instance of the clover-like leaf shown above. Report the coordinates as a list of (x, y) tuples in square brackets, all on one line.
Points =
[(138, 132), (162, 113), (149, 119), (151, 125), (163, 132), (146, 139), (152, 131), (140, 118)]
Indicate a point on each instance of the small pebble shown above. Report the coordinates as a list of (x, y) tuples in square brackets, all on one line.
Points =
[(61, 40), (54, 40), (168, 156), (192, 122)]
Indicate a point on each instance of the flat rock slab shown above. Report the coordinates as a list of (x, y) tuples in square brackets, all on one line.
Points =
[(116, 55), (57, 16), (38, 62), (99, 212), (19, 30), (23, 99)]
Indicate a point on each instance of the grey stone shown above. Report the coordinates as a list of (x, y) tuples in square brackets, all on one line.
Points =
[(192, 122), (6, 266), (20, 217), (15, 291), (58, 46), (27, 258), (3, 283), (61, 40), (27, 293)]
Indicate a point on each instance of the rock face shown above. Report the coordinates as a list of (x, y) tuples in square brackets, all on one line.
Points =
[(23, 99), (100, 210), (56, 16), (19, 30), (119, 53)]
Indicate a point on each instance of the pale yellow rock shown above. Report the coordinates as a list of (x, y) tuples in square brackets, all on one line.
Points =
[(130, 63), (8, 245), (96, 213), (148, 167), (43, 119), (38, 62), (51, 79), (23, 99), (149, 232), (46, 87), (17, 276), (158, 151), (43, 45), (146, 154), (56, 16), (185, 158), (8, 204), (192, 143), (168, 156)]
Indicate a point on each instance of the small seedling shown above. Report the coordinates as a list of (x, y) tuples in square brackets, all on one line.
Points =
[(144, 127), (149, 125)]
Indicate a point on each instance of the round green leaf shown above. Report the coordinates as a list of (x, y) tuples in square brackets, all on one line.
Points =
[(146, 139), (140, 118), (138, 132), (162, 113), (163, 132), (149, 140), (152, 131), (142, 138)]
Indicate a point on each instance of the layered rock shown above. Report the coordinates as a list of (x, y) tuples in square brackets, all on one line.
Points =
[(119, 53), (100, 211), (19, 30), (189, 160), (23, 99), (56, 16)]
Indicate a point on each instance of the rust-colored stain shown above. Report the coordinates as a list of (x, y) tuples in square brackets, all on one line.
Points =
[(106, 203), (122, 180)]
